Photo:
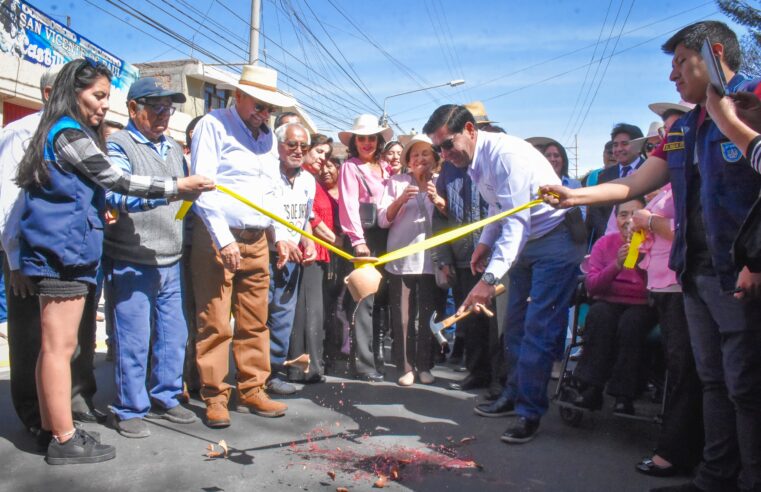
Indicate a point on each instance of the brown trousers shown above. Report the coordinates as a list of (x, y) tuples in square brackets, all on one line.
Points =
[(218, 292)]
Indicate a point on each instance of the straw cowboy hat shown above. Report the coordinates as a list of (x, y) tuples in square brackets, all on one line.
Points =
[(365, 124), (261, 84), (420, 137), (638, 143), (478, 111), (660, 108)]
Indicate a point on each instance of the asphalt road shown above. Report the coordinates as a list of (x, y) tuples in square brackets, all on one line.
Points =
[(426, 437)]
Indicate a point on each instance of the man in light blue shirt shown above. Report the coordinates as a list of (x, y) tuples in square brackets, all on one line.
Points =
[(538, 247)]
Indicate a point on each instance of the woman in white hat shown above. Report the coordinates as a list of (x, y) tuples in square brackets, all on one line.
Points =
[(406, 208), (361, 182)]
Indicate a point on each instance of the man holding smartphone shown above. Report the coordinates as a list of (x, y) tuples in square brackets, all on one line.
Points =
[(714, 187)]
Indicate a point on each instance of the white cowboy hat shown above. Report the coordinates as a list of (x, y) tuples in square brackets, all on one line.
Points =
[(660, 108), (541, 141), (365, 124), (638, 143), (261, 84), (420, 137)]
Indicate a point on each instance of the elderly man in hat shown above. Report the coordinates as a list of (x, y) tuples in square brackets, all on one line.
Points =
[(230, 257), (141, 263)]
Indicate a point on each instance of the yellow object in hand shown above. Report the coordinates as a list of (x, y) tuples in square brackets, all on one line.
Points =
[(631, 259)]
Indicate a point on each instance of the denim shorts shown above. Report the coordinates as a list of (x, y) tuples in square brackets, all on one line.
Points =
[(61, 289)]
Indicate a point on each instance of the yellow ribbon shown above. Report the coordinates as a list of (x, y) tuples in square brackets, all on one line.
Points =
[(431, 242), (631, 257)]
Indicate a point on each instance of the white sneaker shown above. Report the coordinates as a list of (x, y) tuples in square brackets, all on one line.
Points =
[(426, 377), (407, 379)]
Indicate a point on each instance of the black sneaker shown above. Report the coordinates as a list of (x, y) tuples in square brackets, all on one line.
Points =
[(134, 428), (81, 448), (524, 430), (44, 437), (501, 407), (177, 414)]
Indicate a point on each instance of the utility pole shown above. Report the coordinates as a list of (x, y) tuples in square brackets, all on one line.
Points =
[(253, 40)]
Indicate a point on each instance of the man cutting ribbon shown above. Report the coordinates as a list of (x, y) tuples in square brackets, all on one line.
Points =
[(536, 245)]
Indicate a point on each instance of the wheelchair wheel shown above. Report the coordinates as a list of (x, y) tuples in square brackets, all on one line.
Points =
[(571, 416)]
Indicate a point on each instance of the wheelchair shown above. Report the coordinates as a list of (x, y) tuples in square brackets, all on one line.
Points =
[(567, 388)]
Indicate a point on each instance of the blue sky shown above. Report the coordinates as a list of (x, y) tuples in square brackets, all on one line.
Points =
[(536, 64)]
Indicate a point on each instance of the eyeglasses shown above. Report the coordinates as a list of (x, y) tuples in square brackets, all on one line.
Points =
[(159, 109), (293, 145), (447, 145), (367, 138), (259, 107)]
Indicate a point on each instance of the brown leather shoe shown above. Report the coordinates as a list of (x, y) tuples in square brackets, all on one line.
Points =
[(217, 415), (258, 401)]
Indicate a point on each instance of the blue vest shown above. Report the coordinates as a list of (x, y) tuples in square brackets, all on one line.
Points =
[(62, 224), (728, 188)]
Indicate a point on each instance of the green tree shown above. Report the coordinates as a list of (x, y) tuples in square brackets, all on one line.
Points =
[(750, 17)]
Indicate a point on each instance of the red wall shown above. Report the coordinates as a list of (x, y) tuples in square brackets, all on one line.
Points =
[(13, 112)]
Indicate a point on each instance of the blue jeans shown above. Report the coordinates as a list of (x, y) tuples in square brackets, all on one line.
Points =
[(3, 305), (147, 314), (725, 335), (283, 294), (545, 272)]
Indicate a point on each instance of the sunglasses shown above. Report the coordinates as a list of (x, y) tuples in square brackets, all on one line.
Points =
[(367, 138), (649, 147), (259, 107), (293, 145), (159, 109), (447, 145)]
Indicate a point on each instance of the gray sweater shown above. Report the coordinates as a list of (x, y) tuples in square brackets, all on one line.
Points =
[(151, 237)]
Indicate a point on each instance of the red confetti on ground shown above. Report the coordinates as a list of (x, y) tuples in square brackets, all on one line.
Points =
[(392, 462)]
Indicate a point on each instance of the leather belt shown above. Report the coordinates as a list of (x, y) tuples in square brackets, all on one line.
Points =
[(247, 235)]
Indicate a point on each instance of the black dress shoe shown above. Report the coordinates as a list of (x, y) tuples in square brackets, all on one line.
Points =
[(523, 431), (317, 378), (685, 487), (501, 407), (469, 383), (89, 416), (373, 377), (648, 467), (590, 398), (623, 406)]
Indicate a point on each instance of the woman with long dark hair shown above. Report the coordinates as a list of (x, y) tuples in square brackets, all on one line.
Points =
[(362, 181), (64, 174)]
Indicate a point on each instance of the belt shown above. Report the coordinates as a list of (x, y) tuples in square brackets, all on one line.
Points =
[(247, 235)]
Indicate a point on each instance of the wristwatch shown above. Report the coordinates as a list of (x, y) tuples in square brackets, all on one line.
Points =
[(489, 279)]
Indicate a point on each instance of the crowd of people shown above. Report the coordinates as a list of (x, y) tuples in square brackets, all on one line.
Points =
[(85, 202)]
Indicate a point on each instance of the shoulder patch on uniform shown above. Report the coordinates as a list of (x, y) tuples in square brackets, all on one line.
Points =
[(730, 152), (674, 146)]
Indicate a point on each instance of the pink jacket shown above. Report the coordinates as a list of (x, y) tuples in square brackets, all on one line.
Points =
[(657, 250), (353, 191), (605, 282)]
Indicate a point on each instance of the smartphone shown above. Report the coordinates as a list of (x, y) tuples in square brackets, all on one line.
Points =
[(715, 74)]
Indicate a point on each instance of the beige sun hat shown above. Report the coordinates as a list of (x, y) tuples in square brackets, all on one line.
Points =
[(638, 143), (420, 137), (261, 83), (365, 124), (542, 141), (478, 111), (660, 108)]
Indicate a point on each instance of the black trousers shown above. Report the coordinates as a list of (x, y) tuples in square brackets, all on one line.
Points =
[(614, 340), (475, 328), (308, 333), (24, 348), (367, 314), (681, 437)]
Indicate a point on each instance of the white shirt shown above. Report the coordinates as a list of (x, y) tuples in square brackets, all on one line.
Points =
[(225, 150), (14, 139), (508, 172), (296, 199), (408, 227)]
